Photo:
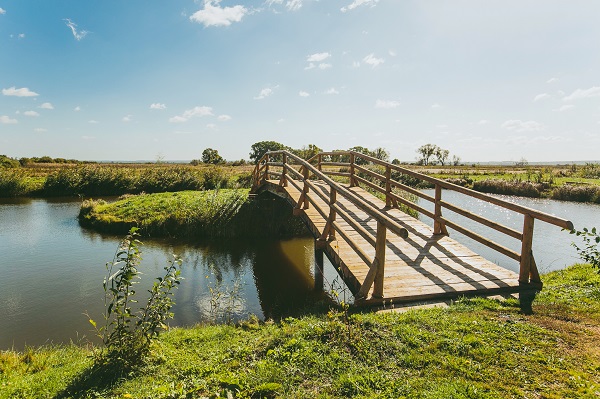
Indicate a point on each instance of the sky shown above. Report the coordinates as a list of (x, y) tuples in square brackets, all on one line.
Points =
[(163, 80)]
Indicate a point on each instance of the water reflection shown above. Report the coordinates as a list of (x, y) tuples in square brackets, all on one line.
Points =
[(52, 273)]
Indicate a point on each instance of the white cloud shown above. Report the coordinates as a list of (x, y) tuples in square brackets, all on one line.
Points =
[(356, 64), (22, 92), (77, 108), (580, 93), (211, 126), (542, 96), (93, 121), (127, 118), (294, 5), (77, 34), (518, 125), (483, 122), (318, 57), (325, 66), (191, 113), (2, 11), (88, 137), (358, 3), (565, 107), (303, 94), (224, 118), (177, 119), (31, 113), (392, 53), (436, 106), (40, 130), (46, 106), (387, 104), (332, 91), (158, 106), (552, 80), (7, 120), (214, 15), (310, 66), (21, 36), (264, 93), (373, 61)]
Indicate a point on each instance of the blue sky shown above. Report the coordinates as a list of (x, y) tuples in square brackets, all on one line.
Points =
[(139, 79)]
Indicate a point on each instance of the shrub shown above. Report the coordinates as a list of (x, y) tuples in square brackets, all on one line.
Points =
[(127, 335), (12, 183), (496, 186), (589, 252)]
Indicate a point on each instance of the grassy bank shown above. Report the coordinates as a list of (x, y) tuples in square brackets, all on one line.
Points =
[(212, 213), (476, 348)]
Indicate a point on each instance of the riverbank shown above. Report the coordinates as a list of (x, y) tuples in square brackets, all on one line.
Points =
[(190, 214), (475, 348)]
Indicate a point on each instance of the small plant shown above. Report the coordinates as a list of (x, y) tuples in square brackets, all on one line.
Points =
[(589, 252), (126, 334)]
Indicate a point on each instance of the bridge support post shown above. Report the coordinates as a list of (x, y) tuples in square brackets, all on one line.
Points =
[(318, 267), (379, 260), (528, 272)]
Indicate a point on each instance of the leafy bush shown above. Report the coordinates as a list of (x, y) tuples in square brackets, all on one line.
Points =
[(579, 193), (126, 334), (589, 252), (12, 183), (497, 186)]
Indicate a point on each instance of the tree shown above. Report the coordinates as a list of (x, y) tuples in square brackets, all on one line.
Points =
[(211, 156), (308, 152), (442, 155), (382, 154), (426, 152), (455, 160), (259, 149)]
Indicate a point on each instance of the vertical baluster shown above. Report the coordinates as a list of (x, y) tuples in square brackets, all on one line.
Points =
[(526, 254), (439, 227), (379, 261), (352, 180), (283, 181)]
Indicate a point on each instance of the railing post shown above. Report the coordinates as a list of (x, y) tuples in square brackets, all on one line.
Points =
[(305, 189), (266, 175), (379, 261), (319, 160), (526, 253), (439, 227), (283, 181), (329, 230), (352, 170), (388, 188)]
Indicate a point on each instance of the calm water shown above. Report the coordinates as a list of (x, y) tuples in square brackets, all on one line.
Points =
[(552, 247), (52, 269), (52, 273)]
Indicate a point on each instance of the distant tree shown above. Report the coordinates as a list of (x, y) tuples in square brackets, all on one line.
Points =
[(456, 160), (195, 162), (382, 154), (24, 161), (426, 152), (8, 162), (522, 162), (362, 150), (259, 149), (211, 156), (308, 152), (395, 161), (442, 155)]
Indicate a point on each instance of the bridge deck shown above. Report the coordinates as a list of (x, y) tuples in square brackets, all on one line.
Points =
[(422, 266)]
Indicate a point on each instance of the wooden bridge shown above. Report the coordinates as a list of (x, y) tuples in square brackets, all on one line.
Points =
[(382, 253)]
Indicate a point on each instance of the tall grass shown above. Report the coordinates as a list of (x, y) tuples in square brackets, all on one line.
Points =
[(111, 180), (515, 187), (13, 183), (578, 193)]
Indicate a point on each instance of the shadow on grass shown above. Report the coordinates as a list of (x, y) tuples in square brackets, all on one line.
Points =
[(103, 375)]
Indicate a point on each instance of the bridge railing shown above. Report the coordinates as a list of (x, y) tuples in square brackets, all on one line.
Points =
[(291, 169), (356, 166), (353, 166)]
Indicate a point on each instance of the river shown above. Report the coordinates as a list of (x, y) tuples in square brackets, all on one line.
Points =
[(52, 269)]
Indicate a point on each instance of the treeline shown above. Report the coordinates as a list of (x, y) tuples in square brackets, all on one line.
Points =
[(8, 162)]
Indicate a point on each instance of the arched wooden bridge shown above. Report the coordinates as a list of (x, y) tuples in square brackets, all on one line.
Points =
[(382, 253)]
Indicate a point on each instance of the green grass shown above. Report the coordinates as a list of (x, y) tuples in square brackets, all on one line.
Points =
[(213, 213), (476, 348)]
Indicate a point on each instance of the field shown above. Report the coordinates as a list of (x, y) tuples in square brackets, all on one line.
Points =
[(563, 182)]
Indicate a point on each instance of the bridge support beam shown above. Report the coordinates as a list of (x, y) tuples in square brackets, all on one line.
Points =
[(318, 267)]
